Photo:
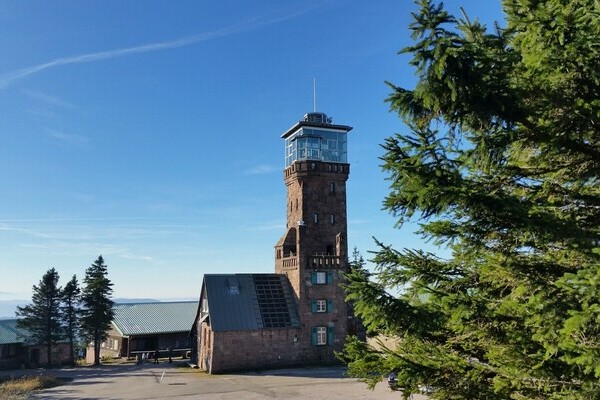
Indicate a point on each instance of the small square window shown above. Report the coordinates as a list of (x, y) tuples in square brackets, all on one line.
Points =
[(321, 277), (321, 306)]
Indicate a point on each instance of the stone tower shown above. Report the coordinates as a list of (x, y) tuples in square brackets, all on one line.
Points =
[(313, 251)]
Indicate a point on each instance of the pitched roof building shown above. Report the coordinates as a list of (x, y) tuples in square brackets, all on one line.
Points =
[(17, 349), (248, 302), (143, 328), (298, 315)]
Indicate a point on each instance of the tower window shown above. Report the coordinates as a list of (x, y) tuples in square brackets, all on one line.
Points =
[(322, 335), (331, 187), (332, 219), (321, 278), (321, 332), (316, 218), (321, 306)]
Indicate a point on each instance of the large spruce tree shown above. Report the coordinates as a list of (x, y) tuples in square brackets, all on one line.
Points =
[(97, 306), (41, 318), (501, 166), (70, 313)]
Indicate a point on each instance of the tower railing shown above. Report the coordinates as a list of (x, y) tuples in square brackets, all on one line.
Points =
[(290, 262), (324, 261)]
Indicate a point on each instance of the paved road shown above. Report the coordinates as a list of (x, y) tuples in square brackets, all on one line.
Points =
[(168, 381)]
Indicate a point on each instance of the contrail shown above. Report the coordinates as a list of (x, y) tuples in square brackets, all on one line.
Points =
[(254, 23), (83, 219)]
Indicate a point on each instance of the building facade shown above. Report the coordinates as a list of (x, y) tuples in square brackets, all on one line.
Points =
[(140, 329), (18, 350), (313, 252), (246, 321), (300, 317)]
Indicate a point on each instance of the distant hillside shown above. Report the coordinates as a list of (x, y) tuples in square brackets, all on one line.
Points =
[(9, 307), (125, 300)]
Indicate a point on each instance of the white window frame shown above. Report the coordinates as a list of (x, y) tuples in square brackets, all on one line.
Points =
[(321, 335), (321, 277), (321, 306)]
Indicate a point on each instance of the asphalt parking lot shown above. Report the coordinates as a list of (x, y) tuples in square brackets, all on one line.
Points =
[(175, 381)]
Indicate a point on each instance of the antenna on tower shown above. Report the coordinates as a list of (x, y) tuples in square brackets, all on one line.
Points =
[(314, 94)]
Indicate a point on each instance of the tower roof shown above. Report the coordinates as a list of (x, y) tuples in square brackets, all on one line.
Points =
[(317, 120)]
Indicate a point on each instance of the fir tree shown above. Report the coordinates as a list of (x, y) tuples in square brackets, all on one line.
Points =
[(97, 306), (41, 318), (502, 168), (70, 313)]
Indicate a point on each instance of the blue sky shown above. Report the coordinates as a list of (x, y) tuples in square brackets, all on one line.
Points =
[(149, 132)]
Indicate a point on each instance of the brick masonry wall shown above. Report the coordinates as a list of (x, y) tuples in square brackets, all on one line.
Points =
[(60, 354), (261, 349), (319, 188), (316, 195)]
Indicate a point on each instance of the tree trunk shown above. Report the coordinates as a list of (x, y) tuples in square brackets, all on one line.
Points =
[(49, 353), (97, 349), (71, 351)]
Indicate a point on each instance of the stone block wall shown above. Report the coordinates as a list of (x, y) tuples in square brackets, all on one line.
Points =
[(261, 349)]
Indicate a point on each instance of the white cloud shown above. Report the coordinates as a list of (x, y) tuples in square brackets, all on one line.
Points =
[(248, 25), (48, 99), (8, 228), (278, 225), (261, 169), (135, 257), (69, 138)]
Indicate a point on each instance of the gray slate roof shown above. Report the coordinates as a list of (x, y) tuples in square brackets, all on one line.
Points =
[(154, 318), (9, 333), (235, 310)]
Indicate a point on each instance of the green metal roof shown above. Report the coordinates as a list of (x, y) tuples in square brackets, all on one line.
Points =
[(154, 318), (9, 333)]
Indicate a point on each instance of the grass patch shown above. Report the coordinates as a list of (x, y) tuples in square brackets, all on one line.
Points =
[(20, 388)]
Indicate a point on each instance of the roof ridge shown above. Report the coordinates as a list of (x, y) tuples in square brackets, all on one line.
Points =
[(156, 302)]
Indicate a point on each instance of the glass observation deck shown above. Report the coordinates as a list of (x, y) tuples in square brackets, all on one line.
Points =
[(312, 139)]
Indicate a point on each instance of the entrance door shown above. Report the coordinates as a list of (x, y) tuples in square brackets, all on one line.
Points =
[(34, 357)]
